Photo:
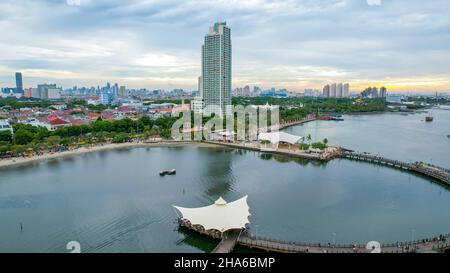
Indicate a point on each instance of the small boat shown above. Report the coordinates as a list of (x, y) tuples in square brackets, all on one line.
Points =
[(336, 118), (429, 118), (168, 172)]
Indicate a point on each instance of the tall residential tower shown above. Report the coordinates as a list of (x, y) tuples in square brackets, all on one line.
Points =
[(19, 83), (216, 70)]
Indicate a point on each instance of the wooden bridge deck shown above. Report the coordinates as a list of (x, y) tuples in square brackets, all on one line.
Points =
[(438, 244), (438, 173), (228, 242)]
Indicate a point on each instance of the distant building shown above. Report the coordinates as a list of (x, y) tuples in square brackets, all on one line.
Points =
[(5, 126), (27, 93), (19, 83), (123, 91), (383, 92), (197, 105), (43, 90), (372, 93), (346, 90), (54, 93), (34, 92), (333, 89), (216, 70), (106, 98), (339, 90), (326, 91), (336, 90)]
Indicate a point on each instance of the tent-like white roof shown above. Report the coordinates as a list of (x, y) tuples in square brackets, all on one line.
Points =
[(221, 215), (276, 137)]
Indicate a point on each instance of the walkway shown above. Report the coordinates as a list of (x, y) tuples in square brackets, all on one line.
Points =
[(438, 244), (228, 242), (438, 173)]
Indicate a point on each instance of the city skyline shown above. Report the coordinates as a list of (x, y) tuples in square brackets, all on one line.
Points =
[(402, 45)]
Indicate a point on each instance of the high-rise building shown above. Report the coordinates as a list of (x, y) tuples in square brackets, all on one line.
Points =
[(375, 92), (123, 91), (54, 93), (333, 90), (19, 83), (43, 90), (200, 86), (27, 93), (216, 70), (339, 90), (106, 98), (35, 93), (383, 92), (326, 91), (346, 91)]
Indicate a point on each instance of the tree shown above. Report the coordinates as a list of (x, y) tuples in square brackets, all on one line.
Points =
[(53, 140), (318, 145), (23, 137), (325, 141), (6, 136), (309, 138)]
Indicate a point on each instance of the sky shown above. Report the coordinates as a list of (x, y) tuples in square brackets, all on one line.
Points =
[(402, 44)]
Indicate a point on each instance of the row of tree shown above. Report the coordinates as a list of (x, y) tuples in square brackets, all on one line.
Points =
[(118, 131)]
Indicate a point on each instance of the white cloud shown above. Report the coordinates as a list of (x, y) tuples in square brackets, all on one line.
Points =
[(374, 2), (292, 43)]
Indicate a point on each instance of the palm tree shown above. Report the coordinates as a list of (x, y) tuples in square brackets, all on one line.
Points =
[(309, 138)]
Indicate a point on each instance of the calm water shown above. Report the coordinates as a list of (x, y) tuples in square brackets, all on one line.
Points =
[(115, 201), (393, 135)]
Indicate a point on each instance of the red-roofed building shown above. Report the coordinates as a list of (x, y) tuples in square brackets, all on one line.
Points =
[(56, 123)]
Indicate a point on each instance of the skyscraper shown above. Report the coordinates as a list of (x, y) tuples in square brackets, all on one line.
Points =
[(216, 70), (326, 91), (19, 83), (383, 92), (339, 90), (346, 92), (333, 90)]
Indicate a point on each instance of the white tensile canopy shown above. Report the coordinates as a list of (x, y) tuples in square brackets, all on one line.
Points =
[(276, 137), (221, 215)]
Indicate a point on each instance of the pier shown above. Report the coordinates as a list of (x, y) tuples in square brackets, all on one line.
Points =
[(242, 237), (228, 242), (438, 173)]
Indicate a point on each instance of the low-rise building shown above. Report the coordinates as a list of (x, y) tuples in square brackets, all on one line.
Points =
[(5, 126)]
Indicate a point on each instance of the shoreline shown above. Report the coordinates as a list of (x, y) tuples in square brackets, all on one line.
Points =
[(19, 161)]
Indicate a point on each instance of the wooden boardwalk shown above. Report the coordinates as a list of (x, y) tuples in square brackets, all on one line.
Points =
[(438, 244), (438, 173), (229, 241)]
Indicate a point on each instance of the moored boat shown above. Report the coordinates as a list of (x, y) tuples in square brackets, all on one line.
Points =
[(168, 172)]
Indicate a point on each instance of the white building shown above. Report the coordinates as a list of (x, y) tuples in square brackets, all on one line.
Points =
[(36, 123), (54, 93), (333, 90), (346, 92), (5, 126), (216, 70), (339, 90), (197, 105)]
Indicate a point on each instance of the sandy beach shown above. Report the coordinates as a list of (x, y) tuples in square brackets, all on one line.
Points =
[(17, 161)]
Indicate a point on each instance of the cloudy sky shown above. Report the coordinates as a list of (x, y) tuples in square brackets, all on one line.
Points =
[(403, 44)]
